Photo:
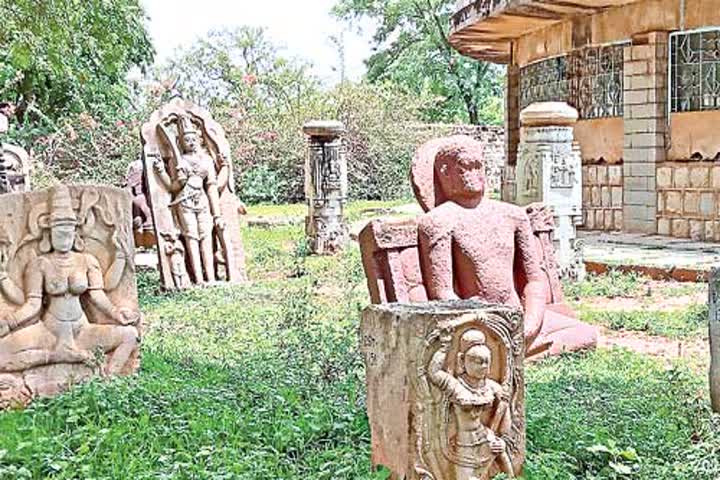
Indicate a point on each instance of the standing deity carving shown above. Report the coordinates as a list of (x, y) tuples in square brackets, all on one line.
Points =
[(190, 181)]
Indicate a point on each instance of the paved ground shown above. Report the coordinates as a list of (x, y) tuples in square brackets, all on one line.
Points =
[(658, 257)]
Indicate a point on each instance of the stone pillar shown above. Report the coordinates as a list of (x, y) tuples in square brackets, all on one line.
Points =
[(4, 185), (325, 187), (419, 360), (645, 114), (714, 300), (512, 132), (549, 170)]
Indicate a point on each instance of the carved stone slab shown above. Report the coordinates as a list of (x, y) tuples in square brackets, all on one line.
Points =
[(183, 220), (16, 166), (143, 227), (68, 297), (435, 414), (714, 292)]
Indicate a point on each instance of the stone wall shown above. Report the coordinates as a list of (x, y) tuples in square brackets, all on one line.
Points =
[(688, 198), (603, 197)]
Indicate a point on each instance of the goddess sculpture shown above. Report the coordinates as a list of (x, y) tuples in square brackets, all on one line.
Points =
[(61, 313), (186, 158)]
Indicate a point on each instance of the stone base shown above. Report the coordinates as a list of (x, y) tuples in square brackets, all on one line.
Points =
[(17, 389), (415, 354)]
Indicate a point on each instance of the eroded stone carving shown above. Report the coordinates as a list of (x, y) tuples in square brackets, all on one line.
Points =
[(187, 163), (325, 187), (548, 150), (67, 290), (472, 247), (143, 227), (445, 389), (714, 311)]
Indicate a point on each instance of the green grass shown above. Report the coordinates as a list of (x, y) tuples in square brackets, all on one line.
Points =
[(691, 321), (266, 382), (612, 284)]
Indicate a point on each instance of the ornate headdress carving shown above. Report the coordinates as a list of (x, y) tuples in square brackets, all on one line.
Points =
[(186, 125), (61, 208)]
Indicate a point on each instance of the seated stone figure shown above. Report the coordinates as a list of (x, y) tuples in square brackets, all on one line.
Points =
[(473, 247), (68, 300)]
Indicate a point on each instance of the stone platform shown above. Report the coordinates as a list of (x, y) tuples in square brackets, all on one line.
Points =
[(661, 258)]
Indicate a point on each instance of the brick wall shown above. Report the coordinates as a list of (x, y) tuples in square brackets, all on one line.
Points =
[(645, 112), (688, 198), (603, 197)]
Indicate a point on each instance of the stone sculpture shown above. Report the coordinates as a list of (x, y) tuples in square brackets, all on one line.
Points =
[(714, 310), (549, 170), (187, 162), (468, 246), (68, 300), (445, 389), (325, 187), (143, 228), (15, 164)]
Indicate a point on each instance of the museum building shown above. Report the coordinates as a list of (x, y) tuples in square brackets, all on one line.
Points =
[(644, 76)]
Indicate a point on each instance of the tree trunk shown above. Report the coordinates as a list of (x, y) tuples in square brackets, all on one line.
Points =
[(714, 294)]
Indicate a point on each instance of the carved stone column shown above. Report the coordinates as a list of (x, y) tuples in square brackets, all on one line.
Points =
[(425, 364), (714, 290), (325, 187), (549, 170)]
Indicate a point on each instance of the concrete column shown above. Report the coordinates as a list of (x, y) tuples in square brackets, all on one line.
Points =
[(714, 301), (512, 132), (549, 170), (325, 187), (645, 115)]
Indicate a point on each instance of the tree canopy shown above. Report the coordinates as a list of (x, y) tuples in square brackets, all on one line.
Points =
[(69, 56), (412, 49)]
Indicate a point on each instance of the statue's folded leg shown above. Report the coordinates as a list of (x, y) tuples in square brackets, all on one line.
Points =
[(563, 333), (119, 341), (29, 347)]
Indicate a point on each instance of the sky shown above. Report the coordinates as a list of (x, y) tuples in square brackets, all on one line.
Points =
[(301, 28)]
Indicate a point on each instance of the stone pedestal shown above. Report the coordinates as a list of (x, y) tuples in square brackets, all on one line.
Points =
[(325, 187), (423, 361), (714, 294), (549, 170)]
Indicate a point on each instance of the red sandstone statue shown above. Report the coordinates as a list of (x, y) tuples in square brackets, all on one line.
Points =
[(473, 247)]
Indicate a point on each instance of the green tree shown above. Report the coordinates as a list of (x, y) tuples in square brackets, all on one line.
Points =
[(413, 50), (69, 56)]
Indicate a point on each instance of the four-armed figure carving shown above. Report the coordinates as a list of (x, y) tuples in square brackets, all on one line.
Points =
[(55, 281), (196, 198), (481, 413)]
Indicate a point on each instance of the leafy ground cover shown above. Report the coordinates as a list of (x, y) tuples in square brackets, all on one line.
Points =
[(266, 382)]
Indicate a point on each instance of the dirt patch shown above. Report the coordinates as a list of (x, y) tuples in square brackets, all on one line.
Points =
[(655, 295), (696, 350)]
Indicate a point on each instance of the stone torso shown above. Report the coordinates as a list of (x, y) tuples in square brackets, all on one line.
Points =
[(483, 249), (64, 279)]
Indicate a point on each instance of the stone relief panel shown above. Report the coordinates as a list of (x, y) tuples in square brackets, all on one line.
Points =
[(187, 163), (68, 298), (459, 415), (15, 169)]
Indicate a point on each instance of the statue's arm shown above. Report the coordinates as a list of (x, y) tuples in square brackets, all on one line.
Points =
[(437, 375), (12, 292), (435, 244), (33, 304), (534, 293), (96, 291), (223, 176)]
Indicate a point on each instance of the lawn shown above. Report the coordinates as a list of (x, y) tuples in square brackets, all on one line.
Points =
[(266, 382)]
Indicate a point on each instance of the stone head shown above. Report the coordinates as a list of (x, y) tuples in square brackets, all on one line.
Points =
[(448, 169), (189, 135), (474, 356), (61, 236), (460, 171)]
